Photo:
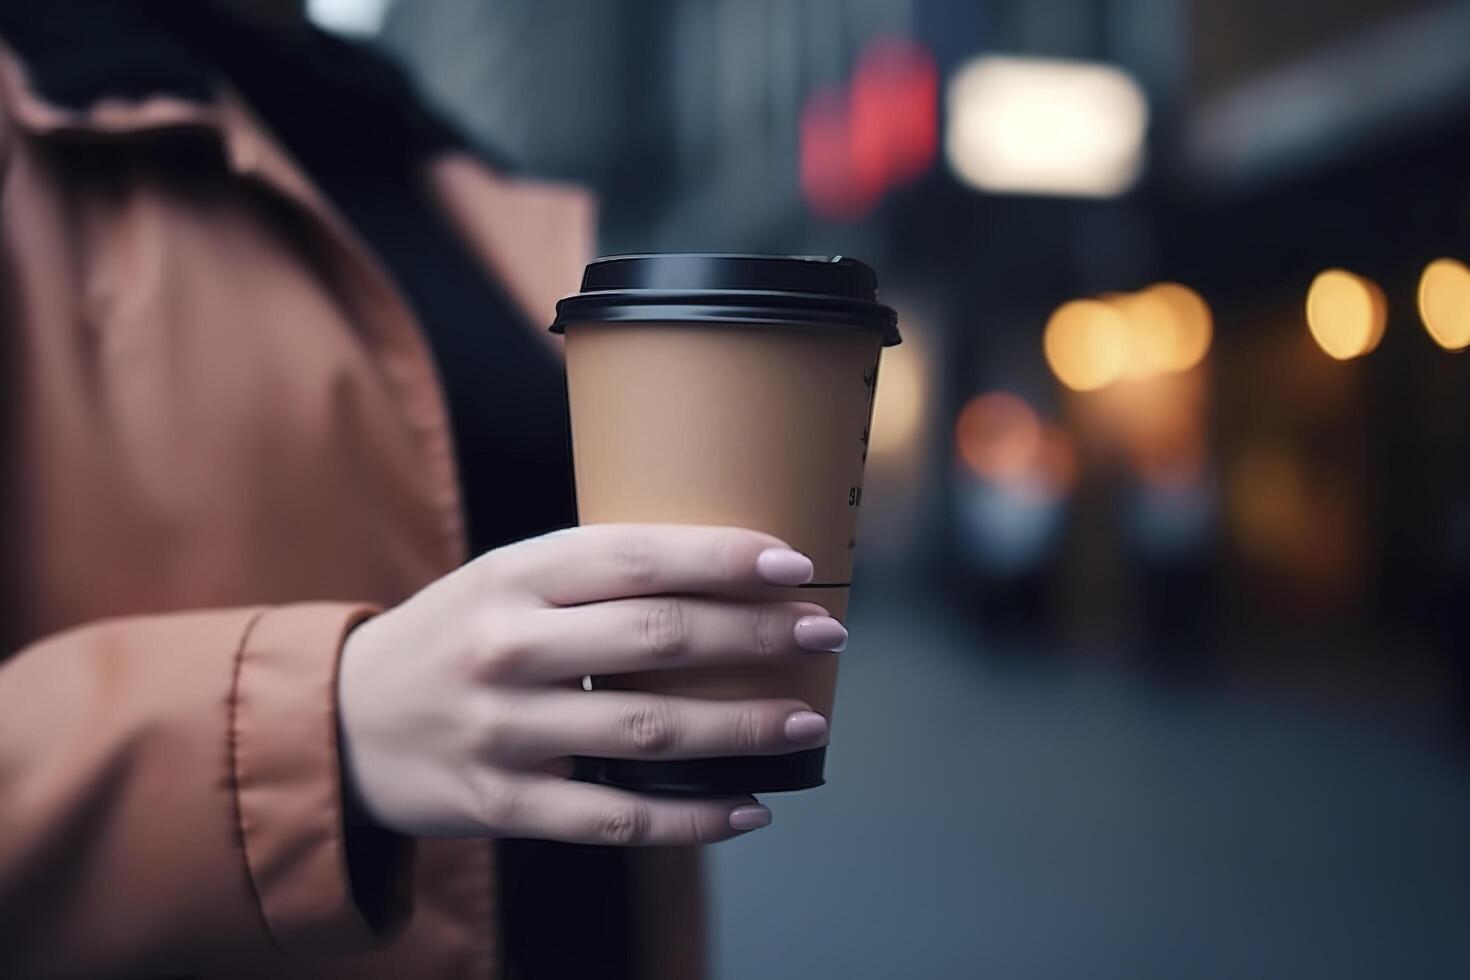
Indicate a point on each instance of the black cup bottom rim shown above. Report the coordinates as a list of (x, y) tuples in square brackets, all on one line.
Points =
[(727, 776)]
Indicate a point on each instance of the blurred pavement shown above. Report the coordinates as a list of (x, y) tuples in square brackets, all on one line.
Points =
[(1018, 818)]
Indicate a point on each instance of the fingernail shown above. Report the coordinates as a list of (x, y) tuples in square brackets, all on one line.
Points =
[(820, 633), (751, 816), (782, 566), (805, 726)]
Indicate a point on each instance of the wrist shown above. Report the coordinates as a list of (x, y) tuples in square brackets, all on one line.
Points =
[(355, 812)]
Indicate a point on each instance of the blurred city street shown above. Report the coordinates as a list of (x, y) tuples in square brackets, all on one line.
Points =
[(1005, 816)]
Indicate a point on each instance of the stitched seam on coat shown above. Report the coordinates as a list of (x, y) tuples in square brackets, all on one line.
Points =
[(234, 774)]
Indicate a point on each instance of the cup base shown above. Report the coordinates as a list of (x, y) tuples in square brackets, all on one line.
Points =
[(727, 776)]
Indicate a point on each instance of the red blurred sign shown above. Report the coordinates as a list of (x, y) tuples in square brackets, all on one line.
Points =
[(878, 133)]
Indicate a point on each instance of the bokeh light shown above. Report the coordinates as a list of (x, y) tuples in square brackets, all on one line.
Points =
[(1086, 344), (894, 125), (360, 18), (858, 141), (1169, 329), (999, 437), (1164, 329), (1152, 333), (1193, 326), (1045, 126), (1346, 313), (1444, 303), (828, 176)]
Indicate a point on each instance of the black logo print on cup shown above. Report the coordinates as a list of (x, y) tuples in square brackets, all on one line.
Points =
[(855, 493)]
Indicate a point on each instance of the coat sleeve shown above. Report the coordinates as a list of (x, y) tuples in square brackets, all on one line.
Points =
[(170, 797)]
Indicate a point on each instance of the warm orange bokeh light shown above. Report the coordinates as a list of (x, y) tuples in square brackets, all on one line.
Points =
[(1163, 329), (1444, 303), (1151, 332), (1193, 327), (1087, 343), (1346, 313), (1002, 439), (1169, 329), (998, 436)]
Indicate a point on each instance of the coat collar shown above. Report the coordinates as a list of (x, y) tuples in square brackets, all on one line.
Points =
[(107, 115), (534, 235), (100, 66), (249, 148)]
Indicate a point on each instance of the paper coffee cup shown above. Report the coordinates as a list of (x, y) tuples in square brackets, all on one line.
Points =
[(728, 390)]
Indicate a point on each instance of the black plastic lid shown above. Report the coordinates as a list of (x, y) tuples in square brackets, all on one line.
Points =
[(807, 290)]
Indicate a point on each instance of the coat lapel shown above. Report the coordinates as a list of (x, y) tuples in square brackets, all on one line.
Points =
[(533, 235)]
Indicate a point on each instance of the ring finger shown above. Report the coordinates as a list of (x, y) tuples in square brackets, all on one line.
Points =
[(549, 808), (553, 722)]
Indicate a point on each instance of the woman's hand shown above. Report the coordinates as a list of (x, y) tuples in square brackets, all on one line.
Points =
[(461, 707)]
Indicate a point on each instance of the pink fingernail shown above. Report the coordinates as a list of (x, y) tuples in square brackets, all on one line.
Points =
[(805, 726), (821, 633), (782, 566), (751, 816)]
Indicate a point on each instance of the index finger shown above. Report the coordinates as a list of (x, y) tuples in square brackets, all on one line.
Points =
[(621, 561)]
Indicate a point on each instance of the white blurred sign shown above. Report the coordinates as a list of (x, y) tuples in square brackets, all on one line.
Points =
[(1045, 126), (354, 17)]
